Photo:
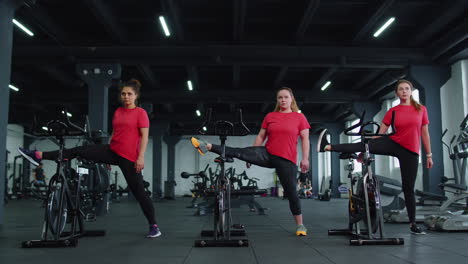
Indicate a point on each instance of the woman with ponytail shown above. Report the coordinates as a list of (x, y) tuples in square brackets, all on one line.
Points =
[(411, 125), (280, 129), (126, 149)]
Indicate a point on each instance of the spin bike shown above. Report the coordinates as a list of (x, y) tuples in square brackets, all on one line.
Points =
[(222, 232), (364, 199), (63, 197)]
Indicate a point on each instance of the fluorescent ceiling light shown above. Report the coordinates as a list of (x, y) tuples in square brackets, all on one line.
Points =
[(164, 26), (13, 87), (189, 85), (18, 24), (198, 112), (299, 111), (385, 26), (68, 114), (45, 128), (204, 128), (325, 86)]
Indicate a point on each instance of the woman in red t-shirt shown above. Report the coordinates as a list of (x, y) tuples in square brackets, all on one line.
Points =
[(281, 129), (126, 150), (411, 124)]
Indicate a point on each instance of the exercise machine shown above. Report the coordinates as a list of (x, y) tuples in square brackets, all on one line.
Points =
[(223, 231), (364, 194), (64, 197)]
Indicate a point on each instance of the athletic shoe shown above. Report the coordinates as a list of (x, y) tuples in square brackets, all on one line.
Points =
[(200, 145), (30, 155), (415, 229), (153, 232), (322, 141), (301, 230)]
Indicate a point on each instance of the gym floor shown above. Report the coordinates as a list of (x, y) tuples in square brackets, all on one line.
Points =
[(271, 238)]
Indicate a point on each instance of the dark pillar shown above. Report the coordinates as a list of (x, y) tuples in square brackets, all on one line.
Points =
[(371, 108), (428, 80), (335, 130), (169, 185), (157, 131), (7, 10), (314, 163), (99, 78)]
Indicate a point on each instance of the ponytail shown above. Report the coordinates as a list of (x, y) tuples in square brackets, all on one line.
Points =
[(415, 103)]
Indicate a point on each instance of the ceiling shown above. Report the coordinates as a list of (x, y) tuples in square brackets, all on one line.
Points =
[(236, 53)]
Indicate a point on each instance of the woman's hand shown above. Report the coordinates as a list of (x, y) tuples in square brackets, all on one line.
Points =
[(304, 165), (139, 164), (430, 163)]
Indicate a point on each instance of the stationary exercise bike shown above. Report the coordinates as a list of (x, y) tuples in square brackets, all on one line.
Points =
[(63, 197), (222, 232), (364, 194)]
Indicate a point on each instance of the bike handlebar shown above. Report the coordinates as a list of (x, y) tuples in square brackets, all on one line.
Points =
[(58, 127), (362, 125), (222, 127)]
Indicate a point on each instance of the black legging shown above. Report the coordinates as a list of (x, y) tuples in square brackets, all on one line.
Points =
[(103, 154), (285, 169), (408, 165)]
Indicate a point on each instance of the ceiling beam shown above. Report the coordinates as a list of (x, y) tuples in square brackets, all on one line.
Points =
[(359, 84), (235, 76), (149, 76), (104, 15), (47, 24), (239, 15), (384, 81), (307, 56), (433, 25), (280, 76), (64, 78), (453, 37), (307, 18)]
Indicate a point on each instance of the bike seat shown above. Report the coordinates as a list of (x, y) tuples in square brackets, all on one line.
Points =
[(430, 196), (455, 186), (348, 155), (227, 159)]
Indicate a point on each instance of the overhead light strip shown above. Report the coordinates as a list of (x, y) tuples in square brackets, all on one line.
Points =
[(162, 20), (13, 87), (385, 26), (189, 85), (18, 24), (325, 86)]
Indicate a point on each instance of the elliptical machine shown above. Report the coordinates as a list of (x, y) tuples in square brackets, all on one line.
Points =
[(364, 197)]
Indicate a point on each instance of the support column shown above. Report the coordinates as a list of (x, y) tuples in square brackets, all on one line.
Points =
[(99, 79), (169, 185), (314, 164), (429, 80), (157, 131), (7, 11), (371, 108), (335, 130)]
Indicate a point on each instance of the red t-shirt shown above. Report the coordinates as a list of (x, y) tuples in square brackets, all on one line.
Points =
[(408, 124), (126, 125), (282, 130)]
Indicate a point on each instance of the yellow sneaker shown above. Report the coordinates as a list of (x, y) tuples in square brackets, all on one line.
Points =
[(301, 230), (200, 145)]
